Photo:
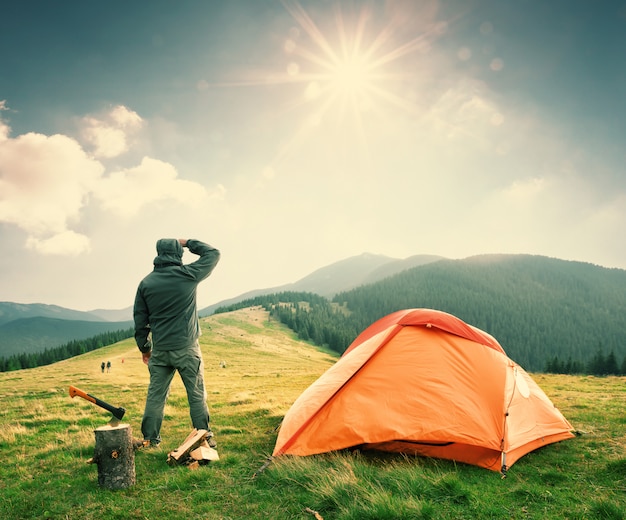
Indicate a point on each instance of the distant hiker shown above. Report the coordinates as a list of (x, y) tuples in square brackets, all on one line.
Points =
[(222, 364), (102, 367), (167, 331), (108, 366)]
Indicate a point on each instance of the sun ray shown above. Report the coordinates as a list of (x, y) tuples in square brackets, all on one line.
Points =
[(352, 76), (304, 20)]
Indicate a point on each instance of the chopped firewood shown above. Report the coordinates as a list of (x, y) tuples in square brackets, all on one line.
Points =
[(204, 453), (194, 450), (193, 434), (192, 441)]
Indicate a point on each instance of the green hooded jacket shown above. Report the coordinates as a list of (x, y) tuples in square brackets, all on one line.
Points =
[(165, 303)]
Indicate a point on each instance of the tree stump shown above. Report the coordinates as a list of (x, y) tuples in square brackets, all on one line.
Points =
[(115, 456)]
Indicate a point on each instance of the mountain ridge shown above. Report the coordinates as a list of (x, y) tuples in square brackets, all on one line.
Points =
[(337, 277), (10, 311), (42, 331), (342, 276)]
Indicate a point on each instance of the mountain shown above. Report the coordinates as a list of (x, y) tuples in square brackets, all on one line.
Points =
[(341, 275), (13, 311), (34, 327), (355, 271), (113, 315), (537, 307), (36, 334), (337, 277), (396, 266), (542, 310), (10, 311)]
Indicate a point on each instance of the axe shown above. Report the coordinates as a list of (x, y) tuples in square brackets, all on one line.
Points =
[(118, 413)]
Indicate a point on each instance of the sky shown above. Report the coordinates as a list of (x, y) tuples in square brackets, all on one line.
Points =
[(294, 134)]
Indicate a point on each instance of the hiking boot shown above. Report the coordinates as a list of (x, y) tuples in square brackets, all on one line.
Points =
[(147, 443), (210, 439)]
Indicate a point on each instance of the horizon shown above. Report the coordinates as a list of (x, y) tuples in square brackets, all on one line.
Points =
[(202, 306), (294, 134)]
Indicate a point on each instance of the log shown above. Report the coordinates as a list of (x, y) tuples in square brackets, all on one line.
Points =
[(115, 456)]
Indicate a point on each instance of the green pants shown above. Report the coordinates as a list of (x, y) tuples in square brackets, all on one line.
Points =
[(162, 366)]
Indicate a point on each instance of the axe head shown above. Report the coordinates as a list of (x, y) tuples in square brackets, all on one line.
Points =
[(118, 413), (114, 422)]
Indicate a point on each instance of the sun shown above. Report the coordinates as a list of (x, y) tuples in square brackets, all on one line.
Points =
[(351, 75), (349, 68), (352, 67)]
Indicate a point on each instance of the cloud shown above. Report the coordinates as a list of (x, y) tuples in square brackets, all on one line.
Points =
[(4, 128), (4, 131), (108, 135), (65, 243), (44, 181), (47, 181), (127, 192), (466, 111), (521, 192)]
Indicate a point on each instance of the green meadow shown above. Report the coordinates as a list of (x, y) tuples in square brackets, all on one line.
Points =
[(47, 439)]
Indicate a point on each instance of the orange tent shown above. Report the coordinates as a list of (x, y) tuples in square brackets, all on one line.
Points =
[(423, 382)]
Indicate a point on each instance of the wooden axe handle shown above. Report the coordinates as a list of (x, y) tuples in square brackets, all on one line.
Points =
[(78, 392), (118, 413)]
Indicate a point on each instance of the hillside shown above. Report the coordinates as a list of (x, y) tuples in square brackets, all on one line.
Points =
[(48, 437), (537, 307), (32, 335), (35, 327), (544, 311)]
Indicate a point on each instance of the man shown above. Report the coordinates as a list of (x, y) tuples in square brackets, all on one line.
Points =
[(167, 331)]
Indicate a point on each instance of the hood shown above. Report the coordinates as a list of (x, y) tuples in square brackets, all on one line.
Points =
[(169, 252)]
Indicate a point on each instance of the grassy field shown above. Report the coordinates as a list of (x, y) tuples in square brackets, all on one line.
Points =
[(46, 439)]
